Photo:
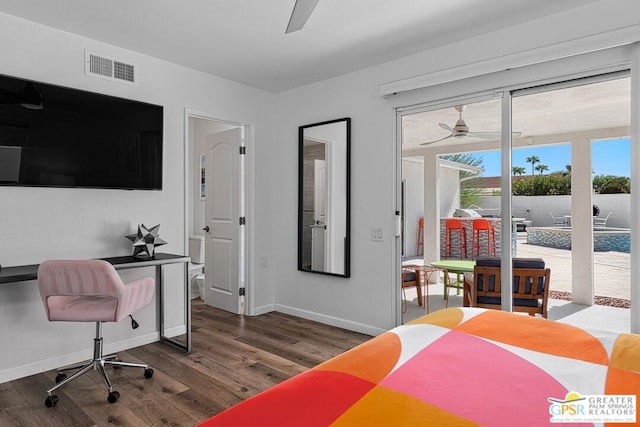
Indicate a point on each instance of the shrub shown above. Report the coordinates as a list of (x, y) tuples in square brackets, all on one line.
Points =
[(616, 185), (542, 185)]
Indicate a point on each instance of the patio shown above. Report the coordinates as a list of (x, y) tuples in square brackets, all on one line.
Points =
[(611, 282)]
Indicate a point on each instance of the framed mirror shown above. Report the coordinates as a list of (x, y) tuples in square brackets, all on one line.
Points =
[(324, 197)]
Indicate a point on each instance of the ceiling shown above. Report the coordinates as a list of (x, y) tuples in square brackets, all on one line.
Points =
[(245, 40)]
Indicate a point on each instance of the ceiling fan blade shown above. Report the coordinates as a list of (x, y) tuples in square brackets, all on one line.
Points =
[(302, 10), (438, 140), (445, 127)]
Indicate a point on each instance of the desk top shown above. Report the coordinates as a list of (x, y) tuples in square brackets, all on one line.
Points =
[(455, 265), (21, 273)]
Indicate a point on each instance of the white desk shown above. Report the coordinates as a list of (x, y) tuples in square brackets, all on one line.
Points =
[(30, 272)]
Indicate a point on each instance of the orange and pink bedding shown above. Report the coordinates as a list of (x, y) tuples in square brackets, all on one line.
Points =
[(454, 367)]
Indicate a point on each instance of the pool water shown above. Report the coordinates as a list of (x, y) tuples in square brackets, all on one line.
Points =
[(604, 239)]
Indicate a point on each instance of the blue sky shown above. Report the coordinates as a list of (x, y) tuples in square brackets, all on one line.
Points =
[(610, 157)]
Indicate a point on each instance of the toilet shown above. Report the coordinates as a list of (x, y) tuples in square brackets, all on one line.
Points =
[(196, 266)]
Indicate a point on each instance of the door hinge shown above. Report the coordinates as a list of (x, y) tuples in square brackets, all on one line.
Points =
[(243, 220), (241, 292), (243, 150)]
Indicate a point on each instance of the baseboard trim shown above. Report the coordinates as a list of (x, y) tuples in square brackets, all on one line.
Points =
[(175, 331), (75, 357), (264, 309), (330, 320)]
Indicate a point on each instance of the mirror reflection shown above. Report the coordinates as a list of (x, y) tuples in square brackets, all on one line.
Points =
[(323, 199)]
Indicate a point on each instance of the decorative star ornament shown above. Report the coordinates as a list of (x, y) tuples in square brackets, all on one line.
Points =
[(145, 241)]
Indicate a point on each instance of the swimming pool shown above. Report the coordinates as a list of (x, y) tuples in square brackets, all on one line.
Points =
[(605, 239)]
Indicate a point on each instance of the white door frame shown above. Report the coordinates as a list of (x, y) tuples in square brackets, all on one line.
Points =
[(247, 205)]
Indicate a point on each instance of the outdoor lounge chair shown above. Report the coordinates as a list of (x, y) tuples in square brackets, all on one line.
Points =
[(530, 285), (601, 222), (556, 221)]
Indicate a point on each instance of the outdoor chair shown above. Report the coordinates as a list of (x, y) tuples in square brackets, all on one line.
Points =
[(415, 276), (556, 221), (530, 285), (601, 222)]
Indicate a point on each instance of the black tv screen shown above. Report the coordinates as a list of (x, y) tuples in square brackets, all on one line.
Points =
[(54, 136)]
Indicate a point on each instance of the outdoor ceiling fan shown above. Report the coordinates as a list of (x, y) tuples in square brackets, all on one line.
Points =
[(302, 10), (461, 129)]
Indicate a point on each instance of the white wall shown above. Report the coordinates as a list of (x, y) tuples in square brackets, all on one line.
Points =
[(41, 223), (537, 208), (367, 301), (449, 191), (413, 176), (36, 223)]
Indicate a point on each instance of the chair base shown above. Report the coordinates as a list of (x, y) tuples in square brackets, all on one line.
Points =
[(97, 363)]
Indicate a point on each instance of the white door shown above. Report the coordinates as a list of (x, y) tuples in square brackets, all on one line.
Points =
[(222, 216)]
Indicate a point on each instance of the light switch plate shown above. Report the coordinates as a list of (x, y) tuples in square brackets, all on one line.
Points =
[(376, 234)]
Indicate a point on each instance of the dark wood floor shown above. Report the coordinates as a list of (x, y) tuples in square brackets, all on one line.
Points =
[(233, 357)]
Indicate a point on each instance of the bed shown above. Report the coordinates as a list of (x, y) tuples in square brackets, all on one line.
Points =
[(459, 367)]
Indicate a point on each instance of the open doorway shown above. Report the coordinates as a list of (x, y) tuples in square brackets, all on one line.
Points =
[(216, 205)]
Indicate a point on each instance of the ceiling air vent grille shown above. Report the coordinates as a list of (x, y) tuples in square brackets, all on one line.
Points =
[(123, 71), (108, 68)]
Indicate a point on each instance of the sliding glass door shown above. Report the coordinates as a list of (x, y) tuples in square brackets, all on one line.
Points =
[(547, 166), (571, 181)]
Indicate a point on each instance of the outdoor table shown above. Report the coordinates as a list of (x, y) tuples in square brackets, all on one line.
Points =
[(459, 267)]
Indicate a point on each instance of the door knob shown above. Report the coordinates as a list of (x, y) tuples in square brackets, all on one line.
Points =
[(206, 228)]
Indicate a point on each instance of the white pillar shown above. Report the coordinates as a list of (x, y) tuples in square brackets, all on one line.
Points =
[(582, 286), (634, 278), (506, 270), (431, 208)]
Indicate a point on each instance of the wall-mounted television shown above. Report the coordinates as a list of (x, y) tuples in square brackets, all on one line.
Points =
[(53, 136)]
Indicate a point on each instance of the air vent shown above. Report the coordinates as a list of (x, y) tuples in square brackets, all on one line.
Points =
[(109, 68)]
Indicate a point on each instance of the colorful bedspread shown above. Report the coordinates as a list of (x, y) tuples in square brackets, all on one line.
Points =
[(458, 367)]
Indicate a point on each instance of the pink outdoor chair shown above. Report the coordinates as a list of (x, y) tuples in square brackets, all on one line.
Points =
[(91, 291)]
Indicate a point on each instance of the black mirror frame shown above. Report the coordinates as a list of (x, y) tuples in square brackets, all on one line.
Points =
[(347, 239)]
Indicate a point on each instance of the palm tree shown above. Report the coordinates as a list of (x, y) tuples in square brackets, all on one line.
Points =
[(542, 168), (517, 170), (468, 196), (533, 160)]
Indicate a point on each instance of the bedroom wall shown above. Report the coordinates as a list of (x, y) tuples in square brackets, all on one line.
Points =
[(34, 223), (367, 301), (41, 223)]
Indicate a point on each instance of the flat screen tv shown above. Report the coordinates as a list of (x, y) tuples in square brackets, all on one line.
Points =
[(52, 136)]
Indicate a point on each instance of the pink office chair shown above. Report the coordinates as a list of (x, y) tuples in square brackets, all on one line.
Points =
[(91, 291)]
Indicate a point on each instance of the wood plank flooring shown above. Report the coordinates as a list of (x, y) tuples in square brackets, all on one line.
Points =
[(233, 358)]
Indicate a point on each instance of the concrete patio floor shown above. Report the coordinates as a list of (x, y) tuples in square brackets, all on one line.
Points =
[(611, 269), (611, 280)]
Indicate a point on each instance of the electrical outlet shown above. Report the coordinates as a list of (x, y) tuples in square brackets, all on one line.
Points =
[(376, 234)]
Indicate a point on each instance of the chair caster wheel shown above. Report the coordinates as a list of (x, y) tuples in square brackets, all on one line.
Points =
[(115, 359), (148, 373), (60, 378), (113, 397), (51, 401)]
